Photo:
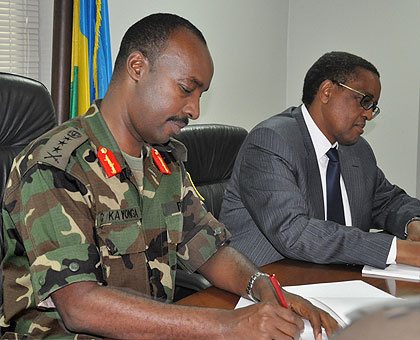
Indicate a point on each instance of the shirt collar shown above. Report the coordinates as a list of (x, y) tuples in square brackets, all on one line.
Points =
[(100, 135), (320, 142)]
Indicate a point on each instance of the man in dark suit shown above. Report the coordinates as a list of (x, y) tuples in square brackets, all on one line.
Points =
[(288, 198)]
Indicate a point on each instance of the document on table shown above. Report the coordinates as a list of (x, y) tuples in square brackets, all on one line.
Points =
[(398, 271), (339, 299)]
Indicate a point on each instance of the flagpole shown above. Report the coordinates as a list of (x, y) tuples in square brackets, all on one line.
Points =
[(61, 58)]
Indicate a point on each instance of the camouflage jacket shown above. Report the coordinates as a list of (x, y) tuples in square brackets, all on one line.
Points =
[(66, 221)]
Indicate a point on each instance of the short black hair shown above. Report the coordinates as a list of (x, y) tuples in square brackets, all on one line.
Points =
[(150, 36), (334, 66)]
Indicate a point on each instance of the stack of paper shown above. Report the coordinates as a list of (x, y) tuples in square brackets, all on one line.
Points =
[(399, 271)]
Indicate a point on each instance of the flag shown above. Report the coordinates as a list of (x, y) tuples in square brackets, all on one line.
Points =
[(91, 66)]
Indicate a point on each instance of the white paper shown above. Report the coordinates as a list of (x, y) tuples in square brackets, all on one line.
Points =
[(400, 271), (341, 298), (354, 288)]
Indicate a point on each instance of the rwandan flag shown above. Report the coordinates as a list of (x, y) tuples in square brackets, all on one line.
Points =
[(91, 67)]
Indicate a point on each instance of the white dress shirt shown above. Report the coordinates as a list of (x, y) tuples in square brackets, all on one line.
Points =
[(322, 145)]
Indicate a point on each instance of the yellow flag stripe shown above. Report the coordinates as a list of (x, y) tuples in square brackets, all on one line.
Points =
[(80, 59)]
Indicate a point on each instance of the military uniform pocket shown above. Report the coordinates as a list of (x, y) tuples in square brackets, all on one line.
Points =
[(122, 249), (174, 228)]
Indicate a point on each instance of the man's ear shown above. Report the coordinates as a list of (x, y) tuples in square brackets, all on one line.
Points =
[(137, 65), (325, 90)]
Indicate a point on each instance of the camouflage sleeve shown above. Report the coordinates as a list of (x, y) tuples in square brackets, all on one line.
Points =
[(54, 220), (203, 235)]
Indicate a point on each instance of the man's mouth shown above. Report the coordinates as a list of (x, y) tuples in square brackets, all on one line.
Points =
[(178, 123), (360, 126)]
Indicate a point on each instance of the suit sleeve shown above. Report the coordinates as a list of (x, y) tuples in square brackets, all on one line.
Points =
[(273, 190), (392, 208)]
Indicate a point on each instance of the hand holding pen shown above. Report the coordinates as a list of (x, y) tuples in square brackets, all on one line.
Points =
[(316, 316)]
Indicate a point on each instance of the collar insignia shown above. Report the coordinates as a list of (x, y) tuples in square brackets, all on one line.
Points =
[(160, 163), (108, 161)]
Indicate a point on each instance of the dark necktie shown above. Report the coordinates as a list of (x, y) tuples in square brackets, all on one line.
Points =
[(335, 210)]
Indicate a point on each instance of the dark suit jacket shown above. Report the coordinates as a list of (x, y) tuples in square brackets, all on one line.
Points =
[(274, 207)]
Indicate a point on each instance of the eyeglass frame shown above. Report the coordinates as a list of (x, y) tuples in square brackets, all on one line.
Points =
[(375, 109)]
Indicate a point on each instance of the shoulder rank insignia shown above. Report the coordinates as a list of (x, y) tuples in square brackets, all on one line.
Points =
[(58, 149), (108, 161), (160, 163)]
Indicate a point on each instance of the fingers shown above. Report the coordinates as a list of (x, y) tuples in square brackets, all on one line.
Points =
[(288, 315), (289, 331), (323, 319), (269, 321), (315, 320), (305, 309), (330, 324), (286, 321), (316, 316)]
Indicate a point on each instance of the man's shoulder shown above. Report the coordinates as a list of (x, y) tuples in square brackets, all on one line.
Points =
[(54, 148), (283, 125), (284, 120)]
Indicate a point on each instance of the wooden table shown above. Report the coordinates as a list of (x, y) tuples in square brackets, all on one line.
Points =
[(293, 272)]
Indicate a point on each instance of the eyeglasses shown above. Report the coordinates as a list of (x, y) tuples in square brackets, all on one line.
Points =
[(366, 102)]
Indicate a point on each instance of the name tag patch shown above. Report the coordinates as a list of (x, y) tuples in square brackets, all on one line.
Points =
[(121, 215)]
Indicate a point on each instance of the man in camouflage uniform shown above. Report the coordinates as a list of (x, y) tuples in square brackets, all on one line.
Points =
[(99, 211)]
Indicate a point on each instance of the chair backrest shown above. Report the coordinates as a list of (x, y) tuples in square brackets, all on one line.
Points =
[(212, 150), (26, 112)]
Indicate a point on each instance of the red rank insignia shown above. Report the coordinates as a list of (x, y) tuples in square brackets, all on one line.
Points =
[(160, 162), (108, 161)]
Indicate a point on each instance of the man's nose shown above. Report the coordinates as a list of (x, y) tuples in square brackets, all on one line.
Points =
[(368, 114), (192, 109)]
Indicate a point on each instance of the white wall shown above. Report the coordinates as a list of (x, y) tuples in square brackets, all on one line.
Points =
[(247, 40), (385, 32), (45, 42)]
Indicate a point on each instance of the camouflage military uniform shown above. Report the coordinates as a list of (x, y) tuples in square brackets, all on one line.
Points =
[(65, 221)]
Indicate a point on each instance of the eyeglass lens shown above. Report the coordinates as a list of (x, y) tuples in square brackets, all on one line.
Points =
[(367, 103)]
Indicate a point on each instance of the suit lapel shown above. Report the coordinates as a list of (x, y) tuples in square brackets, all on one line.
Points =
[(353, 179), (313, 179)]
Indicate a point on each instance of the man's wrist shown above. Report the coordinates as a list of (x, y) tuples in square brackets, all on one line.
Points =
[(415, 218), (251, 285)]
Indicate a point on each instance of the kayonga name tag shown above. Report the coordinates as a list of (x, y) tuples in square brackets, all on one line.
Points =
[(120, 215)]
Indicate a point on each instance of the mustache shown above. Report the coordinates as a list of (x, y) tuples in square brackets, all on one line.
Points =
[(184, 121)]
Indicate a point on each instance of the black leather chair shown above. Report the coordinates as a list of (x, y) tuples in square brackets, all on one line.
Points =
[(212, 150), (26, 112)]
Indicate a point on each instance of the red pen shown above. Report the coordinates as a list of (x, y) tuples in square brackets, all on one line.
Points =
[(279, 293)]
